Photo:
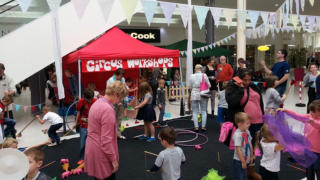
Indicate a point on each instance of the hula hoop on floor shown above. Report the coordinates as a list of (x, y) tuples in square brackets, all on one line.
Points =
[(185, 131), (185, 141)]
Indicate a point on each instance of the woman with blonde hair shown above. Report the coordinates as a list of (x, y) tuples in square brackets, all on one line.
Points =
[(198, 100), (101, 153)]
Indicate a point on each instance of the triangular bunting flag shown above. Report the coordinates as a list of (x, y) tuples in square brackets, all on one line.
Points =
[(106, 6), (185, 12), (206, 48), (210, 46), (17, 107), (202, 49), (248, 33), (273, 18), (201, 12), (168, 9), (214, 45), (233, 35), (80, 6), (198, 50), (277, 30), (218, 43), (182, 53), (294, 20), (255, 83), (24, 5), (194, 51), (149, 8), (311, 20), (318, 22), (302, 2), (253, 15), (128, 8), (264, 16), (297, 6), (225, 40), (54, 4), (287, 7), (25, 108), (242, 15), (40, 106), (229, 14), (303, 21), (273, 34), (216, 14), (311, 2), (33, 108), (291, 6)]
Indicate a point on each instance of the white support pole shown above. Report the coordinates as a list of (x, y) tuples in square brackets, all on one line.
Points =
[(241, 37), (189, 48), (79, 77), (57, 52), (182, 91)]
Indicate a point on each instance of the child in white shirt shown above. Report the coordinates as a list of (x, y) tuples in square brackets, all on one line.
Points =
[(56, 122), (270, 162)]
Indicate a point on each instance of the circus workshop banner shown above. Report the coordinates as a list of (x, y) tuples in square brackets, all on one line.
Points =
[(113, 64)]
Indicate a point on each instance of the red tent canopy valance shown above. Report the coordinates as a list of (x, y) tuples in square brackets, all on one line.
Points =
[(115, 49)]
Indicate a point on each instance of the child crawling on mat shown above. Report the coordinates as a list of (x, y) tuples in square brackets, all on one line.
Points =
[(56, 122), (36, 158), (170, 159)]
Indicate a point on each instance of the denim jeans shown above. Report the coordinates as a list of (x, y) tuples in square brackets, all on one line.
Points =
[(281, 89), (10, 130), (83, 138), (195, 111), (314, 170), (162, 110), (238, 172), (53, 134)]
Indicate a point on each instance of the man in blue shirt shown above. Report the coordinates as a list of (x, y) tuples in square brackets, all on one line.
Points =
[(281, 69)]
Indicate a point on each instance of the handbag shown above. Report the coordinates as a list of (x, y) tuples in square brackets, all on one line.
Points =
[(204, 88)]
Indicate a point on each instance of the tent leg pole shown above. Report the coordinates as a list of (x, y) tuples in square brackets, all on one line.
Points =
[(79, 75), (182, 110)]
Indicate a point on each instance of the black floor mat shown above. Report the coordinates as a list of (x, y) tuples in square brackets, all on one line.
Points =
[(133, 161)]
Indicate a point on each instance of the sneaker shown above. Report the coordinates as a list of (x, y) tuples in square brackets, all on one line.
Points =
[(143, 137), (52, 144), (151, 139), (164, 125), (122, 137)]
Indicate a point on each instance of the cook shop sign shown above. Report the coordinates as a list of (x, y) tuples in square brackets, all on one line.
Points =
[(113, 64)]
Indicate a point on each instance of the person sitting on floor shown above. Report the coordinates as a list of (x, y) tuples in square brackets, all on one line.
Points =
[(9, 131), (10, 143)]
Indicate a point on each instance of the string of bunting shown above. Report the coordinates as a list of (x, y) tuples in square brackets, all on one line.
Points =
[(25, 108), (284, 13)]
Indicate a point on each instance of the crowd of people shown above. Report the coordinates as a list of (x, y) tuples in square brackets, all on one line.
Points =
[(240, 101)]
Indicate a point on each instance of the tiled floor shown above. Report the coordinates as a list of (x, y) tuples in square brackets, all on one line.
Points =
[(34, 135)]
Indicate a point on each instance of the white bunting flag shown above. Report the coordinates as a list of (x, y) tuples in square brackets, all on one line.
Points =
[(233, 35), (303, 21), (182, 53), (291, 6), (24, 5), (149, 8), (216, 14), (206, 48), (80, 6), (54, 4), (302, 4), (318, 22), (311, 20), (218, 43), (264, 16), (277, 30), (297, 6), (273, 19), (253, 15), (210, 46), (214, 45), (201, 12), (198, 50), (202, 49), (106, 6), (229, 14), (311, 2), (168, 9), (128, 8), (185, 12)]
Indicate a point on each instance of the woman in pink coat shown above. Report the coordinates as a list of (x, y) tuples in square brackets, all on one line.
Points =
[(101, 153)]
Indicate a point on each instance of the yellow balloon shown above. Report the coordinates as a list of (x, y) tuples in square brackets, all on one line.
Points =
[(263, 48)]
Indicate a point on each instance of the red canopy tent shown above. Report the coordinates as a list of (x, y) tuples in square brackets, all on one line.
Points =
[(116, 49)]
